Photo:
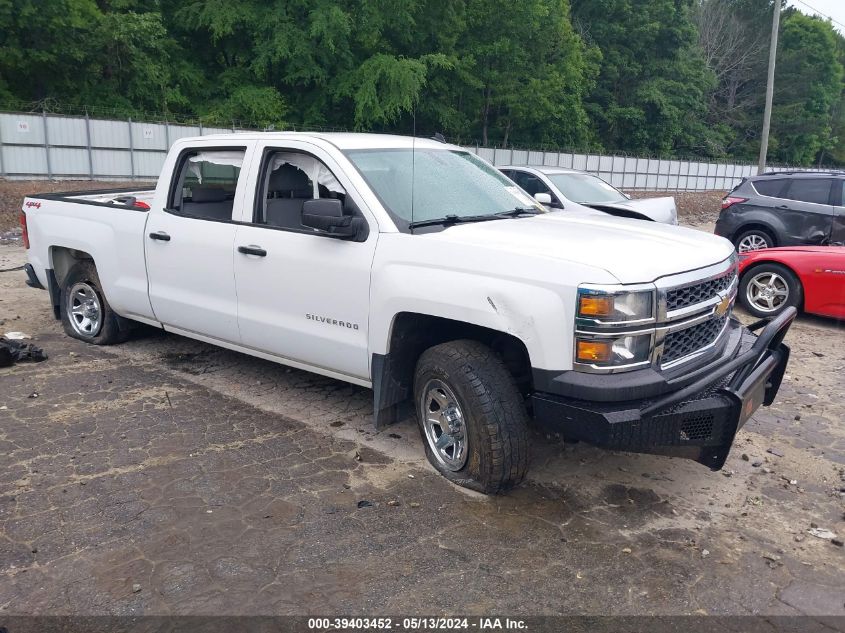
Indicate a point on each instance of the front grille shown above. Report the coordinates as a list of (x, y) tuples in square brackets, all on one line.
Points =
[(685, 342), (678, 298)]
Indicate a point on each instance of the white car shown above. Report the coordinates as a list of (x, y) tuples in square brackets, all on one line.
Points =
[(416, 269), (570, 189)]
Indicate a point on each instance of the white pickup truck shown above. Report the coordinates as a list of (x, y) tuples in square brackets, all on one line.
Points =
[(417, 269)]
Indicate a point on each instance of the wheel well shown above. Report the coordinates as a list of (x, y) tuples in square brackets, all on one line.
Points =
[(412, 334), (63, 259), (760, 227)]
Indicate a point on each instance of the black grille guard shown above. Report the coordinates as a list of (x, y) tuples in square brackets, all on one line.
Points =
[(769, 340)]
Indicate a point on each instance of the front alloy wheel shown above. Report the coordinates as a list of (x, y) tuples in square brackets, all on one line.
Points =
[(471, 416), (767, 291), (445, 430)]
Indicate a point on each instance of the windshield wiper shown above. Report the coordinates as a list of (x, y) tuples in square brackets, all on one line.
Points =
[(448, 220), (519, 211)]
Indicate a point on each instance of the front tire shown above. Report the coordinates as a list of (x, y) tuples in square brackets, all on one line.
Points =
[(768, 289), (472, 417), (86, 314)]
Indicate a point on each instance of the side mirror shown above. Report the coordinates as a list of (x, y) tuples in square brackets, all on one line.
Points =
[(543, 198), (326, 216)]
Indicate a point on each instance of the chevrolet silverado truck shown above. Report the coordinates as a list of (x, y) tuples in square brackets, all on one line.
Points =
[(416, 269)]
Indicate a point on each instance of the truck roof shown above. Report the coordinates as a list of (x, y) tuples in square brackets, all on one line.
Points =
[(341, 140)]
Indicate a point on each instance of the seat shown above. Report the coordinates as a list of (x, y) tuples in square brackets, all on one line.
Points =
[(287, 190), (209, 202)]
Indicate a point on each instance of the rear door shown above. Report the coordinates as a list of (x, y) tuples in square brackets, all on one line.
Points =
[(806, 210), (190, 246)]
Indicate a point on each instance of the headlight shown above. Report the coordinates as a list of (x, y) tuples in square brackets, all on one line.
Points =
[(615, 307), (613, 351)]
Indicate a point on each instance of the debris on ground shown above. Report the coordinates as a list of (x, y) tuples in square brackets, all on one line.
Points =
[(363, 503), (821, 533), (14, 350), (136, 588), (16, 336), (393, 503), (774, 452)]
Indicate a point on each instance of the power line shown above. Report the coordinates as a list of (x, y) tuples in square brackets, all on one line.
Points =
[(824, 15)]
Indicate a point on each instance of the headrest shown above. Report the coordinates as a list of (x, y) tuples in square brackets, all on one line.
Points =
[(287, 178), (207, 194)]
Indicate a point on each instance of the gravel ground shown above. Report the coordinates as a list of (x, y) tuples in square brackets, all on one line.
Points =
[(695, 208), (167, 476)]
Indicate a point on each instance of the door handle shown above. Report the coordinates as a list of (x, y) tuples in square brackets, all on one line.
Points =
[(160, 236), (252, 250), (783, 206)]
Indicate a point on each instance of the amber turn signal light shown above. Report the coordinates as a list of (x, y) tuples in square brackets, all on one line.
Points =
[(591, 305), (594, 351)]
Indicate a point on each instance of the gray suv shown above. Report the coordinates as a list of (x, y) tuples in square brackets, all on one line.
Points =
[(784, 209)]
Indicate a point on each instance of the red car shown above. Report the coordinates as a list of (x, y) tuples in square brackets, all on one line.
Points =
[(811, 278)]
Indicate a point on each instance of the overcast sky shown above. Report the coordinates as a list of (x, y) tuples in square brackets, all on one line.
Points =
[(832, 8)]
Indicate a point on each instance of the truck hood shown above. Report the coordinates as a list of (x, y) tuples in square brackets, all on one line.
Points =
[(658, 209), (633, 251)]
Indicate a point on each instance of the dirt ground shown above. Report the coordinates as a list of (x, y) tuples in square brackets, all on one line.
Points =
[(167, 476)]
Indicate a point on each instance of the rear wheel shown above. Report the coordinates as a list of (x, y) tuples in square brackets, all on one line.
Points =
[(85, 313), (753, 240), (768, 289), (471, 416)]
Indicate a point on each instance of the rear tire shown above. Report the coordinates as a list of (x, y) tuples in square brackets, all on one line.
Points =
[(753, 240), (762, 288), (472, 417), (85, 312)]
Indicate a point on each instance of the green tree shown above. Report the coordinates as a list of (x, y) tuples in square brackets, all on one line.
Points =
[(808, 86), (651, 92)]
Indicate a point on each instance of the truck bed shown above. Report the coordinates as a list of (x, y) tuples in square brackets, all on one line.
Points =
[(123, 198)]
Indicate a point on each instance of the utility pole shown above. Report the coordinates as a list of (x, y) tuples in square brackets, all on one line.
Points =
[(770, 88)]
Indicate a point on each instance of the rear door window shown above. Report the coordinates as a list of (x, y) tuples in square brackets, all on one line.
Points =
[(206, 183), (815, 190), (769, 187)]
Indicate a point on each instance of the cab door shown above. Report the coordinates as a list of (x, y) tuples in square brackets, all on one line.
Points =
[(303, 296), (189, 245)]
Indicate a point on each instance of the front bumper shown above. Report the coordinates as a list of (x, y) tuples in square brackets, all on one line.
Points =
[(699, 421)]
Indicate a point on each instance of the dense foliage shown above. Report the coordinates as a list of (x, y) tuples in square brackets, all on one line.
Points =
[(641, 76)]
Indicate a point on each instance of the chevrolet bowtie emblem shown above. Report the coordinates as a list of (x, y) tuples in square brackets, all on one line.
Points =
[(723, 306)]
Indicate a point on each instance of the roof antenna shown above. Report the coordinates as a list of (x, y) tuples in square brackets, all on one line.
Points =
[(439, 137)]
